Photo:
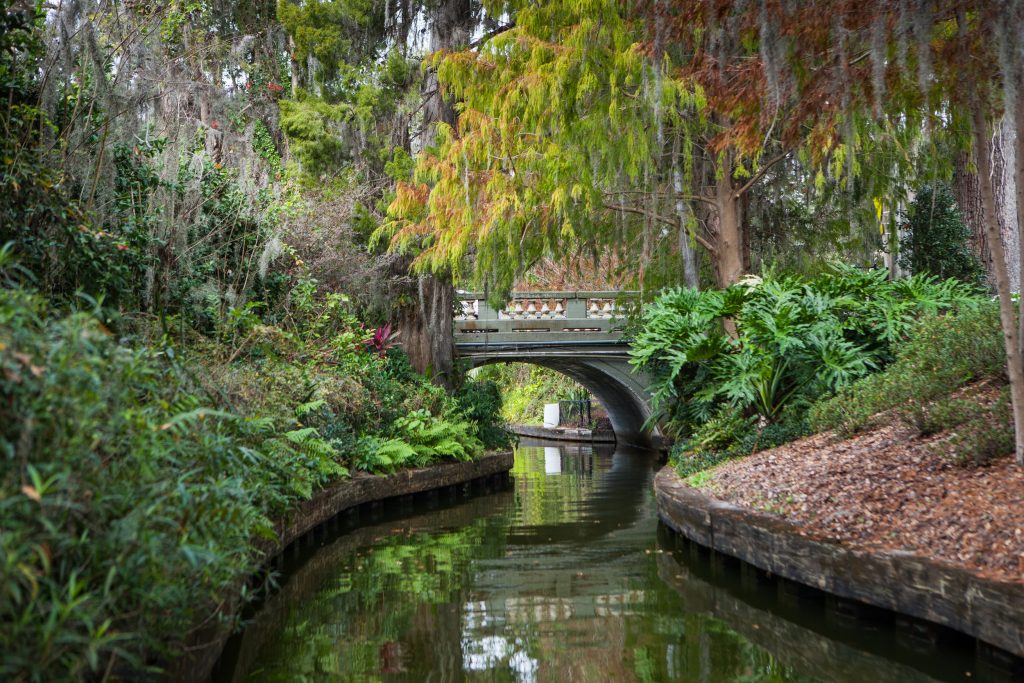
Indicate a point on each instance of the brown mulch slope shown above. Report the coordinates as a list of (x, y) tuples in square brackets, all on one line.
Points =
[(887, 489)]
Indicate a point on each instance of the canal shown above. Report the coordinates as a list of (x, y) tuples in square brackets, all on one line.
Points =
[(562, 573)]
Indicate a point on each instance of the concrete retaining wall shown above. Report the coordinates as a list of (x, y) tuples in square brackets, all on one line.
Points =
[(563, 434), (992, 611)]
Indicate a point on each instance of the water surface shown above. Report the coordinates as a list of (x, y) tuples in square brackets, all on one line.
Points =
[(561, 575)]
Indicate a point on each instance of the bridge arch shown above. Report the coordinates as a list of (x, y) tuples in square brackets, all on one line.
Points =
[(578, 334), (627, 408)]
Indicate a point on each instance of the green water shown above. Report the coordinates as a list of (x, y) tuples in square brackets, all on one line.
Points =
[(561, 575)]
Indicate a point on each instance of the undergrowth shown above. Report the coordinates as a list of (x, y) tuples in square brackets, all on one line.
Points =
[(736, 370), (137, 470), (526, 388), (944, 354)]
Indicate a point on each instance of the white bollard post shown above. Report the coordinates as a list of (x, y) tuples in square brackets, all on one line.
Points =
[(551, 417)]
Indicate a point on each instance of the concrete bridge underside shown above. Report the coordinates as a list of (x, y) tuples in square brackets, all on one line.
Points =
[(604, 372)]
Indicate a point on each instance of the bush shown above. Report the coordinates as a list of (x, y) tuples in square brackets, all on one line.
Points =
[(943, 353), (420, 440), (767, 346), (985, 436), (136, 477), (729, 435), (130, 500), (480, 401)]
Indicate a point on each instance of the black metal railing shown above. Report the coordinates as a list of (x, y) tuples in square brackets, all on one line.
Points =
[(574, 413)]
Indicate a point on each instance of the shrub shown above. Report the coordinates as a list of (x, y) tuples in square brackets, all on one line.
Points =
[(130, 500), (481, 402), (729, 435), (987, 435), (135, 478), (943, 353), (764, 346), (421, 440)]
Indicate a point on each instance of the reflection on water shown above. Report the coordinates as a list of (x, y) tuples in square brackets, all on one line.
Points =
[(557, 577)]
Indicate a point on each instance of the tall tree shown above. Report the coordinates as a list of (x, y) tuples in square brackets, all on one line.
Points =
[(358, 115), (161, 124), (881, 64), (427, 327), (573, 136)]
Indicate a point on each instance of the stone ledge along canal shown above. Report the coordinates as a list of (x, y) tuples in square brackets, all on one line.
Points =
[(564, 574)]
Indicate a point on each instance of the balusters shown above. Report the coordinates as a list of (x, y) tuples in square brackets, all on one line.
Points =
[(548, 307), (469, 310)]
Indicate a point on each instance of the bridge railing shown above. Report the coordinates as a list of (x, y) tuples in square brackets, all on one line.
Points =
[(561, 312)]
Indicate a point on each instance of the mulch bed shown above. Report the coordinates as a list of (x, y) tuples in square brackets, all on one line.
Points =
[(889, 489)]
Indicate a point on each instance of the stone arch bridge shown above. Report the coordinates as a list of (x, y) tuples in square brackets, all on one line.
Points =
[(579, 334)]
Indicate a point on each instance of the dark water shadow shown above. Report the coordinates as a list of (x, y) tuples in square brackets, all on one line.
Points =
[(828, 637)]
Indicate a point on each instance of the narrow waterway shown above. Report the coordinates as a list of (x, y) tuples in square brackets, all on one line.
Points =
[(563, 574)]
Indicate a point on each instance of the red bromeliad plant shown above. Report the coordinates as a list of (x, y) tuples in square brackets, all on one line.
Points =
[(384, 338)]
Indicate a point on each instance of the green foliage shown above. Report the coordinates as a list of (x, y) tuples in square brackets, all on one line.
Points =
[(939, 239), (136, 480), (481, 402), (129, 501), (982, 433), (329, 31), (795, 340), (312, 129), (728, 435), (421, 439), (50, 232), (943, 353), (532, 169), (525, 389), (263, 145)]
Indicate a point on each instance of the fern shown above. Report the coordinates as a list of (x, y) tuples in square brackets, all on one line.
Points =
[(395, 453), (305, 409), (188, 421)]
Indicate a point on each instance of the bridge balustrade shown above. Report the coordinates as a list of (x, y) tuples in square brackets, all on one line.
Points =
[(554, 314)]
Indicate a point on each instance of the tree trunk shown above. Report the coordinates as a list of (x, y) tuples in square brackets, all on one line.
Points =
[(687, 252), (451, 28), (426, 330), (1005, 141), (296, 68), (729, 256), (968, 199), (1007, 314), (1000, 150), (744, 202), (687, 247), (1018, 178)]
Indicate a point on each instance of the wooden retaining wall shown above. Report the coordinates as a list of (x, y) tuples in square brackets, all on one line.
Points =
[(992, 611)]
